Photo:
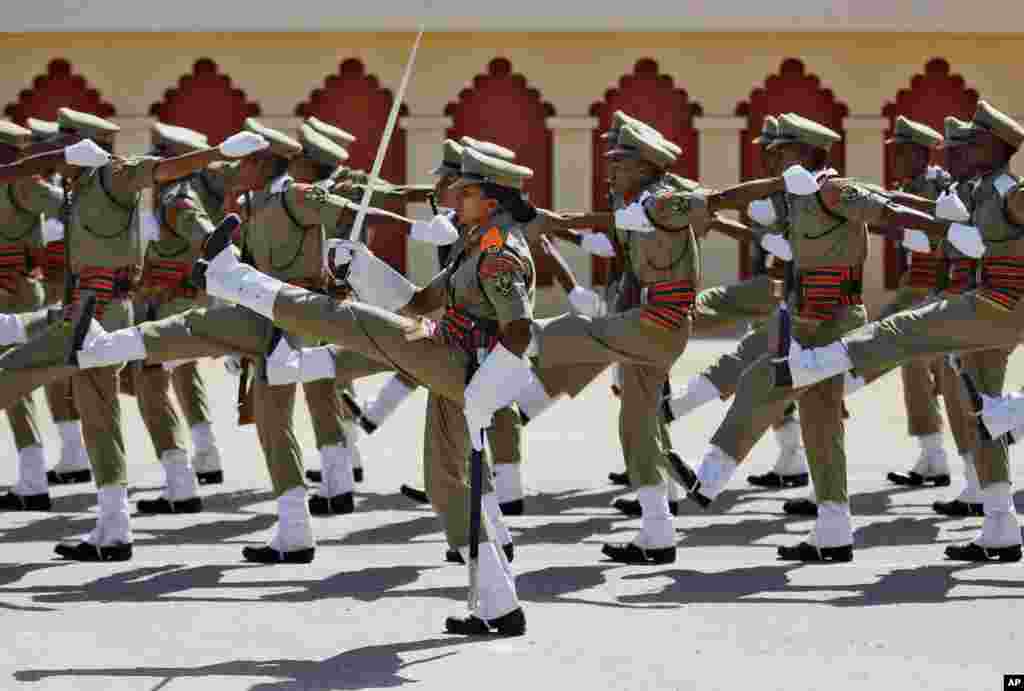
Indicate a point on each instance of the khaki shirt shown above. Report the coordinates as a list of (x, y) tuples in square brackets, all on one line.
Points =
[(670, 252), (213, 184), (23, 206), (492, 274), (104, 216), (184, 225), (286, 232)]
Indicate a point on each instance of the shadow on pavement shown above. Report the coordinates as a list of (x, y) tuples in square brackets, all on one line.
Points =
[(373, 666), (917, 585)]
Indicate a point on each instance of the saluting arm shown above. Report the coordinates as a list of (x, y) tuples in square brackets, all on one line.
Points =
[(170, 169), (236, 146), (738, 197), (913, 201), (734, 229), (40, 164)]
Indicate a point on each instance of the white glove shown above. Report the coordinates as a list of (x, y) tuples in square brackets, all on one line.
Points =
[(950, 207), (1002, 414), (916, 241), (777, 245), (800, 181), (633, 217), (497, 382), (966, 239), (86, 154), (932, 172), (762, 211), (233, 364), (53, 230), (242, 144), (149, 226), (585, 302), (437, 231), (598, 244), (373, 280)]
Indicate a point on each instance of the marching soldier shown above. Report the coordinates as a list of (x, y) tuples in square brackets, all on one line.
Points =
[(227, 329), (988, 225), (73, 466), (911, 147), (23, 206), (816, 364), (181, 226), (104, 245), (828, 237), (663, 255), (962, 277), (754, 299), (489, 292)]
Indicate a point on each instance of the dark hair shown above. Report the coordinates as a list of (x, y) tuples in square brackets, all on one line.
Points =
[(818, 157), (511, 200)]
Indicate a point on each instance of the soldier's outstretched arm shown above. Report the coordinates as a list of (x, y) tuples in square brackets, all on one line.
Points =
[(913, 201), (84, 153), (732, 228), (236, 146), (738, 197)]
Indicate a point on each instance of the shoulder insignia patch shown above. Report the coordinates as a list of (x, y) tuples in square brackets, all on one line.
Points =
[(492, 239)]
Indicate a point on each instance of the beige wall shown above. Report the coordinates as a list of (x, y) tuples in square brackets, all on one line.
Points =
[(571, 71), (522, 15)]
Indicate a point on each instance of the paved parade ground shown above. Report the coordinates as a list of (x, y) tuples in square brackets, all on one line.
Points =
[(187, 613)]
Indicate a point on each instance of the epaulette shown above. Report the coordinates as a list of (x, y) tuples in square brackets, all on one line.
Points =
[(492, 240)]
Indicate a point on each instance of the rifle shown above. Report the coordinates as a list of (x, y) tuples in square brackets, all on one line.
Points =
[(972, 393), (87, 305), (476, 483), (246, 412)]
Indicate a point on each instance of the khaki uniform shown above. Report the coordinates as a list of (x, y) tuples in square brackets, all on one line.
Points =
[(23, 206), (649, 332), (755, 300), (489, 284), (829, 250), (985, 319), (184, 226), (58, 394), (286, 236), (926, 275), (106, 257)]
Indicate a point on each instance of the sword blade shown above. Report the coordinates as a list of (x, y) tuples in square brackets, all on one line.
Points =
[(382, 148)]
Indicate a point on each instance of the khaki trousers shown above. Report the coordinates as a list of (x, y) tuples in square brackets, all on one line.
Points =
[(758, 403), (963, 324), (28, 296)]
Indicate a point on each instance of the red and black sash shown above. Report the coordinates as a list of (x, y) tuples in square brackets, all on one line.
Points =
[(15, 262), (460, 329), (1002, 281), (962, 275), (667, 304), (823, 292), (108, 284), (926, 271)]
